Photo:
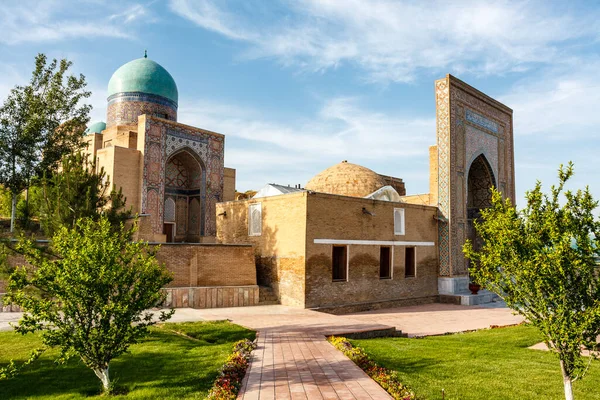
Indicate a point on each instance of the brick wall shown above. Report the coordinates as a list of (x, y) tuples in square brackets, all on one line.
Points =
[(122, 166), (208, 264), (396, 183), (300, 271), (433, 175), (279, 249), (228, 184), (342, 218), (200, 268)]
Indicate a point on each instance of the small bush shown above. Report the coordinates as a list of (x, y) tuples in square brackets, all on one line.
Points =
[(387, 379)]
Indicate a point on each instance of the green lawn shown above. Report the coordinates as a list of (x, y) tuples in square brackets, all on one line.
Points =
[(164, 366), (489, 364)]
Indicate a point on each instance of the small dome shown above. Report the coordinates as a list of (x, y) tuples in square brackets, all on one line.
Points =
[(96, 127), (145, 76), (346, 179)]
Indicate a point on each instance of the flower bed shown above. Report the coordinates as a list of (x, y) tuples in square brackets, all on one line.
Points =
[(384, 377), (228, 383)]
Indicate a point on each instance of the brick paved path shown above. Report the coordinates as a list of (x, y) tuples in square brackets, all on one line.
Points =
[(304, 366)]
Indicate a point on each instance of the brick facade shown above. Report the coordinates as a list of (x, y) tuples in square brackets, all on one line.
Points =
[(341, 219), (280, 249), (208, 264), (300, 270), (201, 273)]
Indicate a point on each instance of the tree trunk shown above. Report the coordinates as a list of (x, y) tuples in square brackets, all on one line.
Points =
[(102, 374), (567, 382), (13, 212)]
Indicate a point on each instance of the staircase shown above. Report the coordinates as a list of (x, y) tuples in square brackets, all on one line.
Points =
[(266, 296), (468, 299)]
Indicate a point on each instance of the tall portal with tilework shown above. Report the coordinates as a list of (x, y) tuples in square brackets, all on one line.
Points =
[(474, 151), (171, 174)]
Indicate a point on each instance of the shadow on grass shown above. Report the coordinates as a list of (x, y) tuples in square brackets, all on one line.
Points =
[(164, 365), (212, 332)]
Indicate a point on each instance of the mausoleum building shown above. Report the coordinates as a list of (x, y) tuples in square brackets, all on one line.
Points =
[(172, 174), (350, 239)]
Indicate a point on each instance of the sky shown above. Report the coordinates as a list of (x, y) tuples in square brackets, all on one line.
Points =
[(300, 85)]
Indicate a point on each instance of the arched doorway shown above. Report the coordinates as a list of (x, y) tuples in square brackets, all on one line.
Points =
[(479, 181), (185, 185)]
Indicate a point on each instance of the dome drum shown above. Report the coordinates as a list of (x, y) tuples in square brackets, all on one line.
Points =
[(126, 111), (136, 96)]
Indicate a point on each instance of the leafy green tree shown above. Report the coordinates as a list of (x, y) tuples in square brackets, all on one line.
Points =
[(543, 261), (76, 191), (89, 298), (39, 123), (5, 202)]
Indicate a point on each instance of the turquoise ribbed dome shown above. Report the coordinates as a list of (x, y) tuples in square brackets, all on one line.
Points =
[(145, 76), (96, 127)]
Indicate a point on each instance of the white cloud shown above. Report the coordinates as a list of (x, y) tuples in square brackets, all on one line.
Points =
[(394, 40), (267, 151), (209, 16), (342, 128), (133, 13), (51, 20), (560, 104)]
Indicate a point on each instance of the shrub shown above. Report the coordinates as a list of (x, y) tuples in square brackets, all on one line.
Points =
[(386, 378)]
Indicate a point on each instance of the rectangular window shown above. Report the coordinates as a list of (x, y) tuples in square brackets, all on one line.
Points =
[(385, 262), (255, 219), (410, 262), (339, 263), (398, 221)]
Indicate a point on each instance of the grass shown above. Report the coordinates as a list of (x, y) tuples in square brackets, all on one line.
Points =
[(166, 365), (489, 364)]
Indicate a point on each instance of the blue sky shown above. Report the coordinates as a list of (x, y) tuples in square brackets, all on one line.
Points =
[(299, 85)]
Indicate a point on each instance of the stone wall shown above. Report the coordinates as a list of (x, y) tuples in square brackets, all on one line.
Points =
[(212, 297), (280, 248), (342, 219)]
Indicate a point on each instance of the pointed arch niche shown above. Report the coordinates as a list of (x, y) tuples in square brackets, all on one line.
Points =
[(185, 191), (479, 182)]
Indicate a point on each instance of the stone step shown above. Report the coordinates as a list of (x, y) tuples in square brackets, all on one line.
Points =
[(266, 296), (469, 299), (268, 302)]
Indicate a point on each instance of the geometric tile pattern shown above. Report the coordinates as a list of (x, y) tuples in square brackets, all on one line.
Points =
[(124, 108), (469, 124), (443, 143), (481, 121), (481, 142), (164, 138)]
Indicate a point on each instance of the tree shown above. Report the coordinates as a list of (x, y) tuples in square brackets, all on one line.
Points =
[(76, 191), (5, 202), (89, 298), (543, 261), (39, 123)]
